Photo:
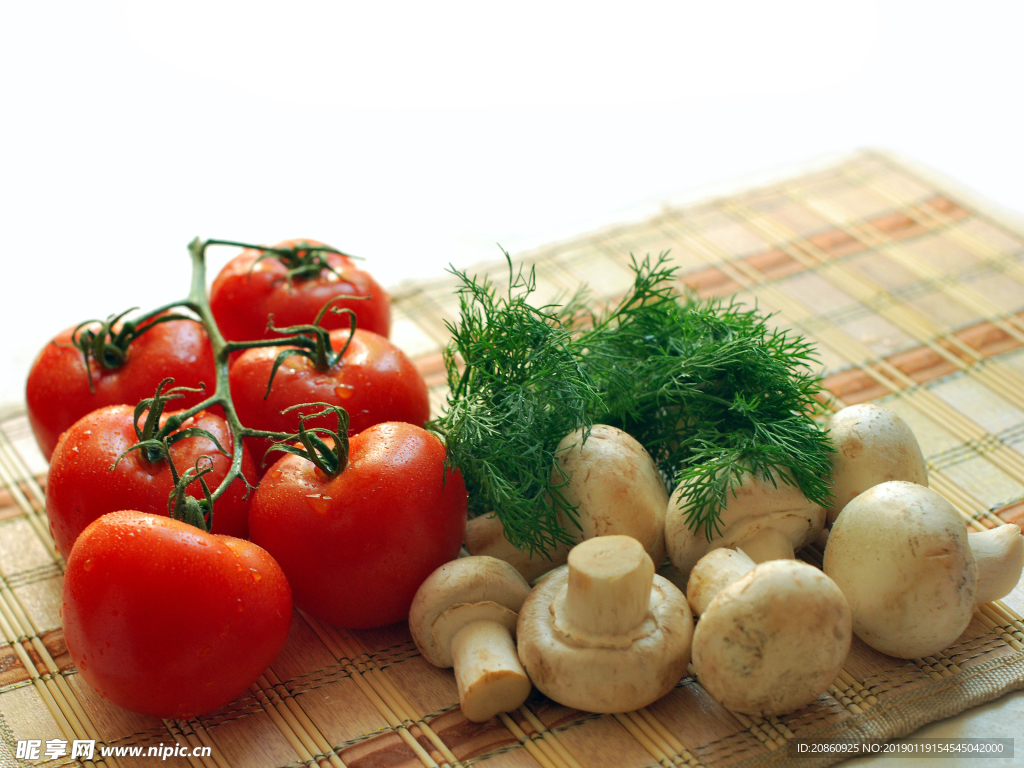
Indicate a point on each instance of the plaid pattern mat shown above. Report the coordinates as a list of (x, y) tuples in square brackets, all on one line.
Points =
[(916, 300)]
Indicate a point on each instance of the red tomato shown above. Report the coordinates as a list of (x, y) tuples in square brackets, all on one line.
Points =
[(58, 392), (245, 294), (81, 486), (374, 382), (357, 546), (166, 620)]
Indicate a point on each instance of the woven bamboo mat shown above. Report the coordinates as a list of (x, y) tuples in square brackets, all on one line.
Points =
[(916, 299)]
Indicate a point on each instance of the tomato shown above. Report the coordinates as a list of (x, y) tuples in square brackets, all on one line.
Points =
[(357, 546), (374, 382), (166, 620), (58, 391), (81, 487), (245, 293)]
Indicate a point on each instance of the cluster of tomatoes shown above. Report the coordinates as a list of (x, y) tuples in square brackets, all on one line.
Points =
[(172, 620)]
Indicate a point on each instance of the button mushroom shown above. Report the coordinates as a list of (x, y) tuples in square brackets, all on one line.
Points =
[(771, 637), (463, 616), (605, 634), (485, 535), (912, 573), (615, 487), (766, 518), (873, 445)]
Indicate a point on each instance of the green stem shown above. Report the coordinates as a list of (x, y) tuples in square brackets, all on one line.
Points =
[(155, 442), (238, 346), (199, 302)]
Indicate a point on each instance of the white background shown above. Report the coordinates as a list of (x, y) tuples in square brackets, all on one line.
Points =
[(419, 135)]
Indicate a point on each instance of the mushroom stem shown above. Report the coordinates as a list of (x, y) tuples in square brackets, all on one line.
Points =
[(487, 670), (609, 588), (714, 572), (999, 554), (768, 544)]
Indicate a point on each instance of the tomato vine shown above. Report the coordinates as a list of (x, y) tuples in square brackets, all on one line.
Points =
[(110, 342)]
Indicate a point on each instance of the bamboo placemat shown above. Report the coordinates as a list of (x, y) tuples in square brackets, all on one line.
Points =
[(915, 297)]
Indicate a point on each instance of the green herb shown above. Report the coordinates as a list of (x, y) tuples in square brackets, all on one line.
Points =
[(710, 390), (519, 393), (706, 386)]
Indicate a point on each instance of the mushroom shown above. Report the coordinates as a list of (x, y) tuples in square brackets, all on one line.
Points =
[(463, 616), (912, 573), (485, 535), (767, 518), (873, 445), (615, 487), (771, 637), (714, 572), (605, 634)]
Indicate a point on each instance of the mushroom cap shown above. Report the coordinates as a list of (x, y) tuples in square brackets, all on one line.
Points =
[(774, 640), (757, 504), (596, 677), (485, 535), (900, 553), (616, 487), (464, 590), (873, 445)]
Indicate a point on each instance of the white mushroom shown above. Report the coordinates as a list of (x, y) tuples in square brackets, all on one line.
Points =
[(463, 616), (615, 487), (912, 573), (767, 519), (485, 535), (873, 445), (605, 634), (999, 555), (714, 572), (771, 637)]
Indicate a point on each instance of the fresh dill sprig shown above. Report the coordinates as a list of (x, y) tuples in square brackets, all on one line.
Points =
[(708, 387), (516, 389), (711, 390)]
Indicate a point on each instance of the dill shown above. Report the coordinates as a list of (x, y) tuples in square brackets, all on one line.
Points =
[(521, 390), (710, 390), (708, 387)]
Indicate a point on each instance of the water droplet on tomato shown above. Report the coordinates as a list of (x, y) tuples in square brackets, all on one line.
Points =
[(344, 391), (255, 574), (83, 664), (88, 564), (320, 505), (240, 606)]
